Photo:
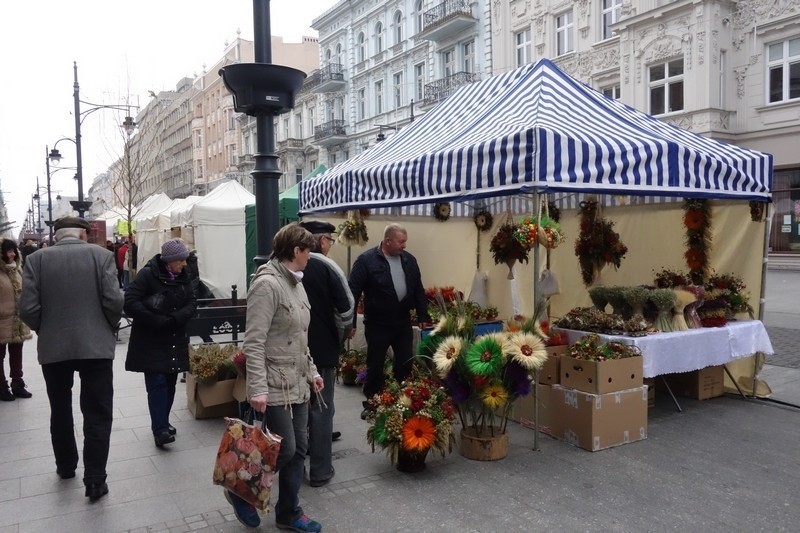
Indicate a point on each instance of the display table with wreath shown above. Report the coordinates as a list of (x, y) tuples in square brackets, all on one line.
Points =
[(693, 349)]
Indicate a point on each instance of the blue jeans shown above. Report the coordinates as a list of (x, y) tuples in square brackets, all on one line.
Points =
[(320, 429), (291, 424), (97, 399), (160, 395)]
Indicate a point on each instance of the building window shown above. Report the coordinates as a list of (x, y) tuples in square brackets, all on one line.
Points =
[(468, 52), (298, 175), (611, 91), (328, 56), (666, 87), (397, 89), (362, 48), (298, 125), (419, 24), (286, 128), (378, 38), (378, 97), (419, 81), (361, 99), (611, 12), (783, 77), (448, 62), (522, 42), (338, 58), (398, 28), (311, 121), (564, 37)]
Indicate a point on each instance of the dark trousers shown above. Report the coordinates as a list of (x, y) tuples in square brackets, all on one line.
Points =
[(14, 361), (160, 395), (292, 424), (379, 338), (320, 429), (97, 398)]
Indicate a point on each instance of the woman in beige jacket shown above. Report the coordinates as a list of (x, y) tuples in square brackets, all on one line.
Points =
[(281, 375), (13, 332)]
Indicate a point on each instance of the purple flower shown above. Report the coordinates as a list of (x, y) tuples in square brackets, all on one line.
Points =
[(516, 379), (456, 387), (362, 376)]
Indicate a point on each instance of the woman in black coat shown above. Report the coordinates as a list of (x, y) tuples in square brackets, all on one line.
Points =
[(161, 301)]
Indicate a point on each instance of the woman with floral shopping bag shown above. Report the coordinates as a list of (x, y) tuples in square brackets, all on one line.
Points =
[(280, 372)]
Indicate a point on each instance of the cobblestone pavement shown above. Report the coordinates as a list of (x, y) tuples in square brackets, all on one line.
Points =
[(786, 343)]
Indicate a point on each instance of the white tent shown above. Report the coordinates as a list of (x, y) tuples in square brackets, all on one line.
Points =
[(153, 228), (151, 205), (217, 222), (111, 217)]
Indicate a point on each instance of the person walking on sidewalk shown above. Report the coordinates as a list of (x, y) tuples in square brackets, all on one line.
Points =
[(331, 318), (390, 279), (13, 331), (161, 301), (71, 299), (280, 371)]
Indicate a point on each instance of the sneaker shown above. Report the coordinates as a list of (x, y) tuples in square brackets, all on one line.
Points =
[(322, 482), (18, 389), (303, 523), (246, 514)]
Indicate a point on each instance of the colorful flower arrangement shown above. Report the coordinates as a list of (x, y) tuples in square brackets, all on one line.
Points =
[(245, 462), (411, 417), (542, 230), (732, 289), (670, 279), (484, 375), (507, 248), (590, 348), (353, 230), (697, 221), (597, 244), (209, 363), (351, 364), (442, 211)]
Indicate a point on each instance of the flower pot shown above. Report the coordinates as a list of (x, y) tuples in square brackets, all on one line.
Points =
[(349, 378), (411, 461), (483, 447)]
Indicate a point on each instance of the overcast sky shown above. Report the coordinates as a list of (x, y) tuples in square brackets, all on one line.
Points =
[(123, 50)]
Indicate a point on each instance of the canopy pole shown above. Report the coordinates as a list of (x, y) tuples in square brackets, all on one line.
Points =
[(537, 201)]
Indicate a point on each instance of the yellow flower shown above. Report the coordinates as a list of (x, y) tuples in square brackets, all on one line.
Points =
[(494, 396), (236, 431), (526, 349), (447, 353), (405, 400)]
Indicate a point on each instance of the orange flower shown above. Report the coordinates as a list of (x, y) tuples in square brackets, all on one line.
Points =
[(693, 219), (695, 259), (419, 434)]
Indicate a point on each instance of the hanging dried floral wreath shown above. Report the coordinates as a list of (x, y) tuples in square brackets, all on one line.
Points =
[(697, 221), (756, 211), (353, 230), (554, 211), (442, 211), (597, 244), (483, 220)]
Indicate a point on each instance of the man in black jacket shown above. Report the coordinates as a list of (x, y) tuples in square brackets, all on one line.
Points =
[(391, 282), (332, 310)]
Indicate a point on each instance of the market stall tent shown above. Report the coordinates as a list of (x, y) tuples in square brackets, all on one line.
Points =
[(154, 227), (288, 203), (217, 221), (537, 129)]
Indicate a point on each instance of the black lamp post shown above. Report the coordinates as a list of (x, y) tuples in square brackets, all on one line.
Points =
[(263, 90), (381, 137)]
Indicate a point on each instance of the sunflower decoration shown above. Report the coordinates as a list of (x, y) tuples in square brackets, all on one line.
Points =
[(697, 222), (483, 220), (414, 416), (442, 211)]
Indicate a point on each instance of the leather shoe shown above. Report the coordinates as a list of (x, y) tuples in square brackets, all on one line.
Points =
[(95, 491), (171, 430), (322, 482), (65, 473), (163, 438), (336, 435), (364, 414)]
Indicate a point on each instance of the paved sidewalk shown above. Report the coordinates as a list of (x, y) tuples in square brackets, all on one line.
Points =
[(722, 465)]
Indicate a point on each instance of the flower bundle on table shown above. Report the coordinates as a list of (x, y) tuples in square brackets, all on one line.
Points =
[(590, 348), (209, 363), (731, 288), (414, 416)]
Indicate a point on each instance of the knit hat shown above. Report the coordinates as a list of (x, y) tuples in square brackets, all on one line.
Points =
[(174, 250)]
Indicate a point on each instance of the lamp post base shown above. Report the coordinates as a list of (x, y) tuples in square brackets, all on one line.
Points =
[(80, 206)]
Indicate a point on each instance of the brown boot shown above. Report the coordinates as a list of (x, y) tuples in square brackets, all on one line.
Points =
[(5, 394), (18, 389)]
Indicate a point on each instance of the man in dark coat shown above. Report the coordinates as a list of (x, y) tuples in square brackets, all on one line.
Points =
[(391, 282), (331, 318), (71, 299), (161, 301)]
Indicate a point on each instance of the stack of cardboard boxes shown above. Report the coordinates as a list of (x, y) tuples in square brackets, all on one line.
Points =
[(588, 404)]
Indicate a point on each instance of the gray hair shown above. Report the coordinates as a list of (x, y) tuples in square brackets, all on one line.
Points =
[(63, 233), (391, 230)]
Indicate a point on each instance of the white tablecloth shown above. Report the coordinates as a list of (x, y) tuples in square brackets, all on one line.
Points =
[(684, 351)]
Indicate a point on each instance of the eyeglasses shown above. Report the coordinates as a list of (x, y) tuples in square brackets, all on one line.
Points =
[(331, 240)]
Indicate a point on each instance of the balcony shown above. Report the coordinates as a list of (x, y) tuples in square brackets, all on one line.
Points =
[(290, 144), (440, 89), (330, 133), (449, 18), (330, 79)]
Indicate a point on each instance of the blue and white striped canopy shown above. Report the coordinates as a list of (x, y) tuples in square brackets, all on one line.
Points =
[(537, 128)]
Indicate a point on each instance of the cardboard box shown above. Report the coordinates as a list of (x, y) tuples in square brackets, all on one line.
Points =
[(240, 389), (599, 421), (211, 401), (599, 378), (549, 374), (522, 410), (700, 384)]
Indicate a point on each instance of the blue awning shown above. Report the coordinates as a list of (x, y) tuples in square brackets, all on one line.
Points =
[(537, 128)]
